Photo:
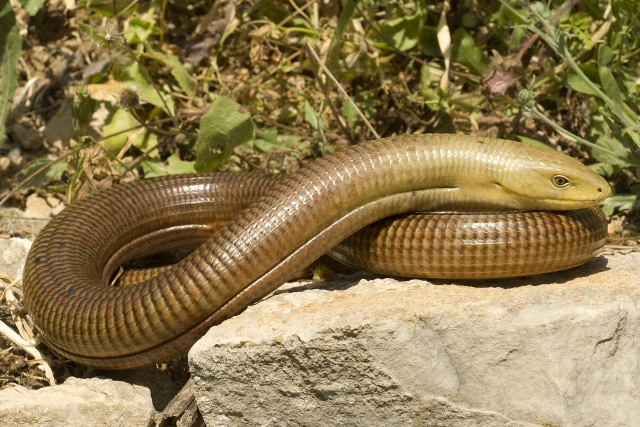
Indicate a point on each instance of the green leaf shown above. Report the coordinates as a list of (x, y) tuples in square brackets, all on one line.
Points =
[(83, 109), (603, 169), (172, 166), (10, 46), (612, 144), (111, 8), (266, 139), (429, 41), (607, 80), (178, 71), (350, 114), (622, 202), (30, 6), (140, 30), (118, 130), (146, 142), (130, 74), (605, 55), (312, 117), (575, 82), (182, 76), (343, 20), (222, 129), (464, 51), (53, 172), (150, 95), (404, 31)]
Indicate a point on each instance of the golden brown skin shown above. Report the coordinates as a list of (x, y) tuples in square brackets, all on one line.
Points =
[(476, 245), (302, 217), (446, 245)]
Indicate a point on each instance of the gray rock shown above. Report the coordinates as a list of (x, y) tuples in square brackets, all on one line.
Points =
[(15, 223), (78, 402), (558, 349), (13, 254), (41, 208)]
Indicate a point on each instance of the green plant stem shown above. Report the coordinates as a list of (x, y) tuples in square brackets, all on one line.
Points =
[(572, 135), (341, 89), (559, 45), (613, 106)]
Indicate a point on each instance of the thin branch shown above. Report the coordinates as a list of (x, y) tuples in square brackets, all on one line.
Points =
[(344, 93)]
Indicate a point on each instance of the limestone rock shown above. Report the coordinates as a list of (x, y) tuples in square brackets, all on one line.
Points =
[(78, 402), (17, 223), (558, 349), (13, 255)]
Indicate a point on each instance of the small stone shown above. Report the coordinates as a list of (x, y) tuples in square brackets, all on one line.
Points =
[(56, 205), (37, 207), (26, 135), (4, 163), (59, 129), (15, 156), (13, 253)]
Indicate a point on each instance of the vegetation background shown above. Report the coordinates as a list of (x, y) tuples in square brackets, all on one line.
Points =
[(94, 92)]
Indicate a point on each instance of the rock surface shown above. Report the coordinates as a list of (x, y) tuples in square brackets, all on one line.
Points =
[(13, 254), (559, 349), (77, 402), (14, 222)]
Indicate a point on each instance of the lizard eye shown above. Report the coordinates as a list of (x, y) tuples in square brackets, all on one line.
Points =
[(561, 181)]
